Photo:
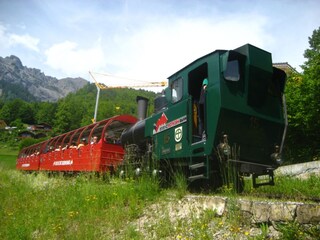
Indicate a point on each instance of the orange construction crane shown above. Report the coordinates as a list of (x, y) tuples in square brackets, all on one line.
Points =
[(140, 85), (103, 86)]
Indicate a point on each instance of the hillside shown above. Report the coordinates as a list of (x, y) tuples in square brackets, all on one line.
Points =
[(30, 84)]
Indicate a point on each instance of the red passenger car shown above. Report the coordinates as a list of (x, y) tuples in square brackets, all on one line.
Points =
[(93, 148)]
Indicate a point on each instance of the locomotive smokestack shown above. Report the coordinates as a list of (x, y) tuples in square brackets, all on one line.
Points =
[(142, 107)]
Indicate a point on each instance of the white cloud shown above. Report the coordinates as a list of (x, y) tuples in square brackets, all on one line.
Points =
[(25, 40), (160, 49), (3, 38), (8, 40), (70, 59)]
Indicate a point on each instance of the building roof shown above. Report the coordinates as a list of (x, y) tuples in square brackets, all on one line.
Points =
[(285, 66)]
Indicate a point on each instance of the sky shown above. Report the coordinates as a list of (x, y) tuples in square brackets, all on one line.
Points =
[(149, 40)]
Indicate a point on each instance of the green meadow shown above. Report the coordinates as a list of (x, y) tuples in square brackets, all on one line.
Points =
[(35, 206)]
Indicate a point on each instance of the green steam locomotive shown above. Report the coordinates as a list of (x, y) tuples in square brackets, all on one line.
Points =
[(226, 110)]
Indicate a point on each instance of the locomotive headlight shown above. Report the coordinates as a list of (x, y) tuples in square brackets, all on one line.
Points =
[(154, 172), (224, 147), (279, 160), (137, 172), (276, 156)]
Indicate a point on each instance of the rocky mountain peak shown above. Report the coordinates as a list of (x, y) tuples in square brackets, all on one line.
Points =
[(15, 61), (30, 84)]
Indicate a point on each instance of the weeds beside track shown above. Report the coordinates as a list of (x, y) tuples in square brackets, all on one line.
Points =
[(35, 206)]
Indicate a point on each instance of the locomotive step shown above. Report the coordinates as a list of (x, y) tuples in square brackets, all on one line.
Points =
[(196, 166), (196, 177)]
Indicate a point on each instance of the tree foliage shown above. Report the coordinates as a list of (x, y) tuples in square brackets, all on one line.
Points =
[(78, 109), (303, 101), (45, 112), (312, 84), (13, 91), (29, 141), (15, 109)]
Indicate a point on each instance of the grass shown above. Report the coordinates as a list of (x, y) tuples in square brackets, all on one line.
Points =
[(35, 206), (83, 207), (289, 188), (8, 156)]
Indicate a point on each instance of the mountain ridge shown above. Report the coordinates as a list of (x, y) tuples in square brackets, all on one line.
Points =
[(30, 84)]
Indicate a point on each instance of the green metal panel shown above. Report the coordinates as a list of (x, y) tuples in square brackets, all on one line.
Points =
[(252, 117), (169, 130), (173, 141), (257, 57)]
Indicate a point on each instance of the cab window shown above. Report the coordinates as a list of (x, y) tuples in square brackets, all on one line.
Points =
[(176, 90), (232, 71)]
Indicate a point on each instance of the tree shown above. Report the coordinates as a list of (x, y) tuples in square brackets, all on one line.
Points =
[(17, 123), (15, 109), (63, 118), (312, 85), (70, 113), (303, 101), (44, 112)]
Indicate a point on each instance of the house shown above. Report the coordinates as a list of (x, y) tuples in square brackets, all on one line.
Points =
[(26, 134), (40, 127), (285, 67)]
